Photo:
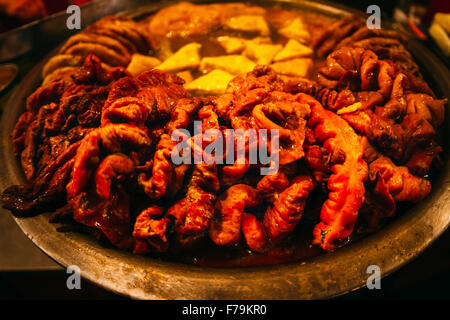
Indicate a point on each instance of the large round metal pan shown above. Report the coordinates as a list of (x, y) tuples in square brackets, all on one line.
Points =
[(324, 276)]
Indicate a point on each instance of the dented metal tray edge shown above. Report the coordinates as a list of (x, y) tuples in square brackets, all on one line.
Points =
[(325, 276)]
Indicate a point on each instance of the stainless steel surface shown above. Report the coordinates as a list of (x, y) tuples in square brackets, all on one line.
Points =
[(324, 276), (17, 252), (19, 41)]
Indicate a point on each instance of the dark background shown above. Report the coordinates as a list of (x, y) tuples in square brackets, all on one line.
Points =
[(26, 273)]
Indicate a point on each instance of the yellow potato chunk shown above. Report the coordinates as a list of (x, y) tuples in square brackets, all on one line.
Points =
[(187, 57), (249, 23), (296, 30), (293, 49), (262, 53), (234, 64), (232, 44), (300, 67), (140, 63), (214, 82)]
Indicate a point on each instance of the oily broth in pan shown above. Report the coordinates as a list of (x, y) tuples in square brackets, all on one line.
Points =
[(275, 15), (295, 248)]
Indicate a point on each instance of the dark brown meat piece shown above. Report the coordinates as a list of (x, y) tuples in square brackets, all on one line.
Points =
[(190, 216), (254, 232), (391, 108), (110, 139), (402, 185), (403, 141), (226, 226), (114, 39), (23, 11), (125, 30), (287, 116), (46, 137), (335, 33), (288, 202), (111, 168), (346, 184), (388, 184), (194, 212), (359, 69), (271, 186), (93, 139), (166, 178), (366, 33), (184, 19), (75, 99), (352, 32), (48, 189)]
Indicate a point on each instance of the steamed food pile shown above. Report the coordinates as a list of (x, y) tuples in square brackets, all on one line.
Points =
[(357, 125)]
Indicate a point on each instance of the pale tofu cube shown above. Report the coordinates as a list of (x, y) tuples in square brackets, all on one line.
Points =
[(140, 63), (232, 44), (214, 82), (248, 23), (293, 49), (262, 53), (296, 30), (187, 57), (300, 67), (234, 64), (186, 76)]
